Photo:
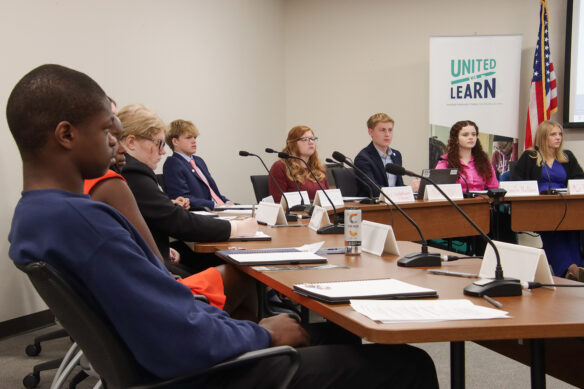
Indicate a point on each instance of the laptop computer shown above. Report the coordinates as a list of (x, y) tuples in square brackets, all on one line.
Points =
[(439, 176)]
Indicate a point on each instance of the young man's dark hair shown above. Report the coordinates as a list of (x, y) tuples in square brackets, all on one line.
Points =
[(55, 94)]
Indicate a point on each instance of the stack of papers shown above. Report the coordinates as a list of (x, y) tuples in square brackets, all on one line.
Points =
[(424, 310)]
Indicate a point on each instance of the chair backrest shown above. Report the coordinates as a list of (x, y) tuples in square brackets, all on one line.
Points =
[(261, 187), (345, 180), (160, 179), (89, 327)]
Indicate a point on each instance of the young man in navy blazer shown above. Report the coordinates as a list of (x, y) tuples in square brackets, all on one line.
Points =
[(373, 158), (181, 177)]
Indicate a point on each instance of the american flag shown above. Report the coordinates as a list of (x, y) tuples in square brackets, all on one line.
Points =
[(543, 96)]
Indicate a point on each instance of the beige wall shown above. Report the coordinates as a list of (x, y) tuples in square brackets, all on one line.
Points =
[(218, 63), (245, 71), (346, 60)]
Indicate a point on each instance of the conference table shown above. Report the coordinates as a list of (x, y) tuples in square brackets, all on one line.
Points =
[(536, 315), (547, 212), (437, 219)]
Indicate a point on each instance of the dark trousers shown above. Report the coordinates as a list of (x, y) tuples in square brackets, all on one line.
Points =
[(340, 366)]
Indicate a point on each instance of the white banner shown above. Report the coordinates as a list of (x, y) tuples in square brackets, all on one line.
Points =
[(476, 78)]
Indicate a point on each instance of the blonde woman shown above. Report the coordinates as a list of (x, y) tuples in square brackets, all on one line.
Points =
[(553, 171), (300, 142)]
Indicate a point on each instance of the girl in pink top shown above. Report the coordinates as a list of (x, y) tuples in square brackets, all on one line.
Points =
[(465, 153)]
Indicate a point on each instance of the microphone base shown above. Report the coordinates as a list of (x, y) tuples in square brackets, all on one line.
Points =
[(549, 192), (468, 195), (291, 217), (495, 288), (308, 208), (369, 201), (420, 260), (331, 229)]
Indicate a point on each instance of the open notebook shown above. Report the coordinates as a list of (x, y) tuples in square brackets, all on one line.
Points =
[(343, 291)]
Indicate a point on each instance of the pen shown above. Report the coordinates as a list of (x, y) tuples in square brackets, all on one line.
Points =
[(493, 301), (452, 273), (253, 210)]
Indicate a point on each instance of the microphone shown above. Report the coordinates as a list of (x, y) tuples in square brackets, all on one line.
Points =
[(336, 227), (289, 217), (330, 161), (547, 170), (298, 207), (466, 194), (423, 258), (498, 287)]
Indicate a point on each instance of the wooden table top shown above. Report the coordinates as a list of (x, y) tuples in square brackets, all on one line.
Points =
[(541, 313)]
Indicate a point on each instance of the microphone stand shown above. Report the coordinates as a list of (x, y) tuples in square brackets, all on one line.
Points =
[(497, 287), (466, 194), (547, 170), (336, 227), (289, 216), (421, 259)]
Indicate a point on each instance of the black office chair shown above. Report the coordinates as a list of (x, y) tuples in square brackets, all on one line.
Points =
[(345, 181), (261, 187), (107, 352), (160, 179)]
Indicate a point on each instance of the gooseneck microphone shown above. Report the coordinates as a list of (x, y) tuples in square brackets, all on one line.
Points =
[(336, 227), (298, 207), (289, 216), (421, 259), (498, 287), (330, 161), (466, 194), (547, 170)]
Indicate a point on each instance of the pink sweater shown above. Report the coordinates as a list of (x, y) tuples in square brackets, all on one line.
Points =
[(475, 181)]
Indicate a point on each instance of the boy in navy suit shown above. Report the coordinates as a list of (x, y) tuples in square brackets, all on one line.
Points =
[(373, 158), (185, 174)]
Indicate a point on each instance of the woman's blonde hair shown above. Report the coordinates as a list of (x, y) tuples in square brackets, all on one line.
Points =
[(140, 121), (541, 141), (298, 168)]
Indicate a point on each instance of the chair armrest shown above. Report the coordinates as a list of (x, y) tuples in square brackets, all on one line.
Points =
[(242, 360)]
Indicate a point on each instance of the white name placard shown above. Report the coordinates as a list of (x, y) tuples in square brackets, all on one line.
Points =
[(270, 214), (522, 262), (319, 218), (399, 194), (293, 198), (575, 186), (520, 188), (335, 195), (378, 238), (454, 191)]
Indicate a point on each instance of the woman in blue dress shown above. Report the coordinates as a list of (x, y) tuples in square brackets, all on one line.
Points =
[(552, 167)]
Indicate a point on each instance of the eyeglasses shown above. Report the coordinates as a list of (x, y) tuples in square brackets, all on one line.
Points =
[(158, 142), (306, 139)]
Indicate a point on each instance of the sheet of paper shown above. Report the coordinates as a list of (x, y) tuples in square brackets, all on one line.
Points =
[(275, 257), (311, 247), (258, 234), (204, 213), (392, 311)]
